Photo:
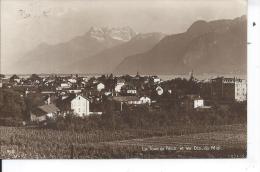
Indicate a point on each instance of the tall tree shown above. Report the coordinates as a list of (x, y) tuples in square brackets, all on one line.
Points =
[(12, 79), (35, 77)]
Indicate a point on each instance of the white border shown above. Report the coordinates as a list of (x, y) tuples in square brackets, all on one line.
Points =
[(252, 163)]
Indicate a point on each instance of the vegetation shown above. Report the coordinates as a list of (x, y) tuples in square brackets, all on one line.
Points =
[(12, 78), (114, 133), (2, 76), (12, 107), (47, 143), (143, 117)]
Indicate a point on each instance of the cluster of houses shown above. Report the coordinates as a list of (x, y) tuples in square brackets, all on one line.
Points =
[(228, 89), (81, 95)]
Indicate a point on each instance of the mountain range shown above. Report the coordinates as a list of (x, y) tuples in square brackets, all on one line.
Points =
[(217, 46), (107, 60), (56, 58), (206, 47)]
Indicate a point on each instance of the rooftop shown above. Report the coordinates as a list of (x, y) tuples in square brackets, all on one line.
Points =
[(49, 108), (125, 98)]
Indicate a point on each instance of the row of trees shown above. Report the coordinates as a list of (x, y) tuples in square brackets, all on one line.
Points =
[(14, 106), (142, 118)]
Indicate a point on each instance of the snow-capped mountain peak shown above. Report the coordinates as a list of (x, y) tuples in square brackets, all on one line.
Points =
[(122, 34)]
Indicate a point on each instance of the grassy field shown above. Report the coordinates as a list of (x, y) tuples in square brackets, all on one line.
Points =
[(227, 141)]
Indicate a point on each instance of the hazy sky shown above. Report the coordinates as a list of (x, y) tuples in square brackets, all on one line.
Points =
[(27, 23)]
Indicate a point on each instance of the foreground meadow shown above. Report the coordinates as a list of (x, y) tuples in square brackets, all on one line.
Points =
[(228, 141)]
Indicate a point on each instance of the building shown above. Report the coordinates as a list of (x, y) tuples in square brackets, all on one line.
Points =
[(48, 92), (229, 89), (198, 102), (131, 91), (72, 80), (100, 86), (132, 100), (191, 102), (120, 83), (240, 90), (127, 99), (85, 79), (17, 80), (108, 93), (65, 85), (145, 100), (159, 90), (156, 79), (80, 106), (44, 112)]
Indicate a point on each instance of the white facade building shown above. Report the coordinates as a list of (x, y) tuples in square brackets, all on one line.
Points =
[(17, 80), (198, 103), (156, 80), (100, 86), (145, 100), (132, 100), (119, 86), (72, 80), (65, 85), (229, 88), (240, 90), (159, 90), (133, 91), (85, 79), (80, 106)]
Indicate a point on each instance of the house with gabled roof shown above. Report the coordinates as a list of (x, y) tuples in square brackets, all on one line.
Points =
[(100, 86), (44, 112), (80, 106)]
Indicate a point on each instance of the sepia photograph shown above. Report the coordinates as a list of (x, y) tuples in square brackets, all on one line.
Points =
[(110, 79)]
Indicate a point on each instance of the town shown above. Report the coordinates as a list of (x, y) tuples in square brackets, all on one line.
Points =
[(48, 97), (73, 116), (120, 80)]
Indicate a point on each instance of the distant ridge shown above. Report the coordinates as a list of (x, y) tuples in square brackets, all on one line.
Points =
[(107, 60), (56, 58), (217, 46), (207, 47)]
